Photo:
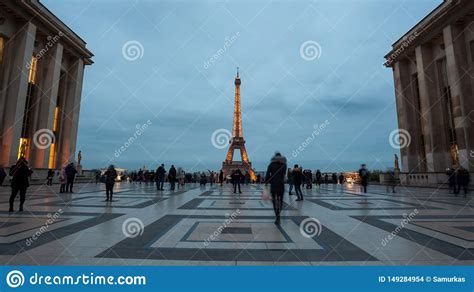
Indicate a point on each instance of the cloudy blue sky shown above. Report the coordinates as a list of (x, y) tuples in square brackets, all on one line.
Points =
[(286, 91)]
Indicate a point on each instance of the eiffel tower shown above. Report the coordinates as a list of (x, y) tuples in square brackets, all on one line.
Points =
[(237, 142)]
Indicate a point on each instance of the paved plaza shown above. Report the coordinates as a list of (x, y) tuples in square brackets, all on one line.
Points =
[(211, 226)]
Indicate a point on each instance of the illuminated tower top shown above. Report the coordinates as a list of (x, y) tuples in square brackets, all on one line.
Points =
[(237, 127)]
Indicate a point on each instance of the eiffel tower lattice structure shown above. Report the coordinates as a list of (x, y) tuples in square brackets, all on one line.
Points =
[(237, 141)]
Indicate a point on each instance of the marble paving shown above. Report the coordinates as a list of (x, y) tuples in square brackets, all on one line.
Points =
[(334, 225)]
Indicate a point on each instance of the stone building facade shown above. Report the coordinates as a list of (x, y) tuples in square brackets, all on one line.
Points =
[(42, 65), (433, 69)]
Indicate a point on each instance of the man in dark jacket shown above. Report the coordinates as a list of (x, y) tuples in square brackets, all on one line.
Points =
[(160, 177), (172, 177), (70, 177), (364, 177), (275, 176), (462, 181), (297, 181), (20, 173), (236, 178)]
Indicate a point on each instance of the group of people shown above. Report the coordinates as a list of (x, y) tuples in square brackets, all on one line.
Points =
[(458, 179), (275, 176)]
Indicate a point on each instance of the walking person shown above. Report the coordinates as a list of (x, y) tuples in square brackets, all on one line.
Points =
[(236, 180), (160, 177), (275, 176), (70, 177), (20, 173), (319, 178), (3, 175), (341, 179), (172, 177), (221, 177), (290, 181), (297, 181), (364, 177), (462, 181), (451, 173), (110, 176), (49, 177), (62, 180)]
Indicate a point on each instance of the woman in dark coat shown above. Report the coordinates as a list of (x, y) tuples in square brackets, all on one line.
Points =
[(297, 181), (20, 173), (275, 176), (110, 176)]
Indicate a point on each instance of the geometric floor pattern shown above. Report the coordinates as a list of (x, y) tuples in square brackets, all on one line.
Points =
[(334, 225)]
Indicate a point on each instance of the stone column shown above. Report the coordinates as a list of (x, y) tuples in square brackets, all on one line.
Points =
[(432, 112), (407, 115), (21, 50), (71, 111), (48, 93), (459, 82)]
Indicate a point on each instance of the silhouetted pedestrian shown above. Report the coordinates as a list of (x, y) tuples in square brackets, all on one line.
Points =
[(236, 180), (451, 173), (160, 177), (319, 178), (49, 178), (221, 177), (70, 177), (289, 176), (462, 181), (341, 179), (172, 177), (62, 180), (364, 177), (20, 173), (275, 176), (297, 181), (110, 176)]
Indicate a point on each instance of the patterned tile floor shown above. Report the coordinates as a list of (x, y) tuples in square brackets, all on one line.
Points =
[(212, 226)]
